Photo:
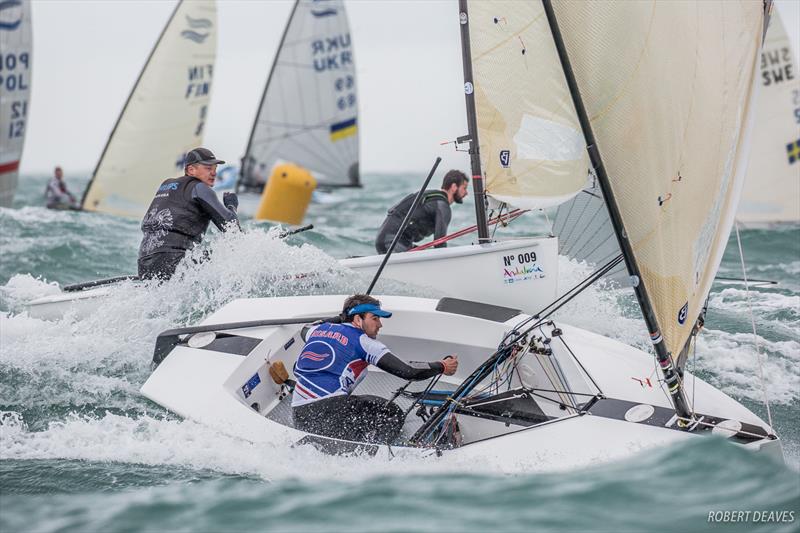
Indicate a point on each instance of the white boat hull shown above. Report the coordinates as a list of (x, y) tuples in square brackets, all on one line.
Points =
[(79, 304), (521, 274), (233, 393)]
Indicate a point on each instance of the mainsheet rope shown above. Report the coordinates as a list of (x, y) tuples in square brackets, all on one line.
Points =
[(753, 324)]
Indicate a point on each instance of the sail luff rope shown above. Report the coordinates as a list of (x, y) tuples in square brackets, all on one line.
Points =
[(753, 324)]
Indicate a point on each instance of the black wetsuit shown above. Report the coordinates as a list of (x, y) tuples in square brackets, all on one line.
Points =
[(176, 221), (432, 216)]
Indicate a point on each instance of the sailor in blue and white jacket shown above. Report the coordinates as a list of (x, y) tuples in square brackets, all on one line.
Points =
[(335, 359)]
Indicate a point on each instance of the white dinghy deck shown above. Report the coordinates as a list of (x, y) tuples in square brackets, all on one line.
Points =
[(568, 394)]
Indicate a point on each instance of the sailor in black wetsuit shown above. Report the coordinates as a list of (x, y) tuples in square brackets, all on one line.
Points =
[(179, 215), (432, 216), (335, 360)]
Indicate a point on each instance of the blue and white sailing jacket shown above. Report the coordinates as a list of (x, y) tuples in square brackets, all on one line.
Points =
[(333, 361)]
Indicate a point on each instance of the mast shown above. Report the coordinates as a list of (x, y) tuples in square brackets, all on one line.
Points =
[(472, 127), (662, 355), (246, 165)]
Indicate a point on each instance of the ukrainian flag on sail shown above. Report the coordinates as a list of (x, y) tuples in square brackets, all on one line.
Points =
[(793, 151), (342, 130)]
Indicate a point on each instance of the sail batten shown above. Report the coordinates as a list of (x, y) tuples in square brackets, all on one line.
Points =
[(164, 116), (668, 88), (308, 113), (532, 150)]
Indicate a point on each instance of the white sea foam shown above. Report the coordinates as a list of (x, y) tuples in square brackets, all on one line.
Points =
[(733, 363), (153, 441), (602, 307), (761, 302), (81, 360), (22, 288)]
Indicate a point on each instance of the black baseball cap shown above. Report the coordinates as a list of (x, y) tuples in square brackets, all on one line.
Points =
[(201, 156)]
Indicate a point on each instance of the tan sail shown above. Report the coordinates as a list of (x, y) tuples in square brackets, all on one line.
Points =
[(532, 150), (164, 116), (772, 186), (667, 88)]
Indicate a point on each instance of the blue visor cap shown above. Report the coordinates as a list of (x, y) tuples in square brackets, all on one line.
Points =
[(369, 308)]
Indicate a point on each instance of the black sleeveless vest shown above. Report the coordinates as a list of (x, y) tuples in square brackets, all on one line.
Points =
[(173, 222)]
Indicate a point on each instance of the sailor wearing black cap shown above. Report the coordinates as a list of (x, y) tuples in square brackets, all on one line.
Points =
[(335, 359), (180, 213)]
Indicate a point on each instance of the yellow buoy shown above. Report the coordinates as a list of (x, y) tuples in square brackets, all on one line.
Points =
[(286, 195)]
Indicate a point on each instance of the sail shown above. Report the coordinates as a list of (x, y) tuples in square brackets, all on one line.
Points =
[(16, 60), (532, 149), (309, 113), (772, 187), (667, 88), (163, 117), (585, 232)]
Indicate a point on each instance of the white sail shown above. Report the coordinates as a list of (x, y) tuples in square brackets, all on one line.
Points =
[(16, 60), (163, 117), (667, 88), (772, 187), (532, 149), (309, 111)]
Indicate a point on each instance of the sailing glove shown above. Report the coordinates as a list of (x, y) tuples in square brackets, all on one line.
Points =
[(230, 200)]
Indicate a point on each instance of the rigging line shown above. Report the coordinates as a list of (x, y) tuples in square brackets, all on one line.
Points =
[(542, 315), (694, 375), (596, 386), (553, 367), (499, 214), (660, 380), (554, 391), (753, 324), (549, 224), (700, 422), (422, 396), (558, 403), (503, 351)]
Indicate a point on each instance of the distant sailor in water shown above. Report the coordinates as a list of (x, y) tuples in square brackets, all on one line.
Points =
[(179, 215), (432, 216), (56, 194)]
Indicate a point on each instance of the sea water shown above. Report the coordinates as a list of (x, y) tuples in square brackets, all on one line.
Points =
[(82, 450)]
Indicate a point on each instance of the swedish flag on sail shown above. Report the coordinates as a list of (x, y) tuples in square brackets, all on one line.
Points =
[(793, 151), (342, 130)]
